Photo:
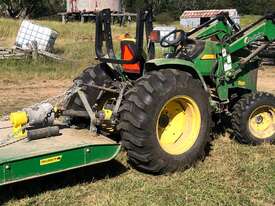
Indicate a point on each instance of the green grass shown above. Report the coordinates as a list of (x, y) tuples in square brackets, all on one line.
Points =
[(248, 19), (232, 174)]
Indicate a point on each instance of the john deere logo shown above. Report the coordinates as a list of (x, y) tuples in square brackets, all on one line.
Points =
[(248, 40)]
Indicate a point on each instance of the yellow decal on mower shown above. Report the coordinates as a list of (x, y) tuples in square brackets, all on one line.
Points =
[(50, 160)]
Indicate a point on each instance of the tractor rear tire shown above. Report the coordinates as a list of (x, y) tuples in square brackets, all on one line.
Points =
[(253, 119), (98, 75), (165, 122)]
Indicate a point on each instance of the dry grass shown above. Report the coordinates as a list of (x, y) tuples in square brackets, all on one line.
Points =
[(75, 43), (232, 174)]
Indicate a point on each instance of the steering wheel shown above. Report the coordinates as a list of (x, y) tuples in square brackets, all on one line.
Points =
[(181, 37)]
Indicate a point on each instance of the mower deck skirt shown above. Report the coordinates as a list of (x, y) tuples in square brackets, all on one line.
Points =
[(74, 148)]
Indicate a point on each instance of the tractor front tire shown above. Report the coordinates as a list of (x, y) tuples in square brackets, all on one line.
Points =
[(165, 122), (253, 118)]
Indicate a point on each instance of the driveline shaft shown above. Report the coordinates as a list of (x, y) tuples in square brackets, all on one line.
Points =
[(35, 134)]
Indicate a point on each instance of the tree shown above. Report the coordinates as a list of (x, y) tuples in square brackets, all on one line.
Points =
[(31, 8), (19, 8), (173, 8)]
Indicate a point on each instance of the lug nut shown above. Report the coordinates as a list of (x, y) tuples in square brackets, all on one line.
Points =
[(259, 119)]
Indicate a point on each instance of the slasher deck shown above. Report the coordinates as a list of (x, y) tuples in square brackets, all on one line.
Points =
[(73, 148)]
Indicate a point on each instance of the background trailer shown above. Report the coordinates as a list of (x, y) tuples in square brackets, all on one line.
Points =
[(194, 18), (86, 9)]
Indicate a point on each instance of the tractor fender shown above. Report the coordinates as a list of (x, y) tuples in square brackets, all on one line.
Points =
[(180, 64)]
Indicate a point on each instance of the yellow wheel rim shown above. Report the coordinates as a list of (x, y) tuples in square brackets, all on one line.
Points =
[(262, 122), (178, 125)]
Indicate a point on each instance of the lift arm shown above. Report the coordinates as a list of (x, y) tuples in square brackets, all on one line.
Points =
[(223, 28), (264, 28), (231, 64)]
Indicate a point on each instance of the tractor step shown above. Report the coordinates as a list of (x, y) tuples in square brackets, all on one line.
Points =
[(74, 148)]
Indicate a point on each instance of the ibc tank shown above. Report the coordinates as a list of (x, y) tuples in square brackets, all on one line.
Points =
[(93, 5)]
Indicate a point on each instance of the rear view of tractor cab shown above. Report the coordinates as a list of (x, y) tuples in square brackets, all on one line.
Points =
[(134, 52), (132, 58)]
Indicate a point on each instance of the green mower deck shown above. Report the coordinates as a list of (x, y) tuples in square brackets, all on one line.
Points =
[(72, 149)]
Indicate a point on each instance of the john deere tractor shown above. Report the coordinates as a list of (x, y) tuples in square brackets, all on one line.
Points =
[(163, 107)]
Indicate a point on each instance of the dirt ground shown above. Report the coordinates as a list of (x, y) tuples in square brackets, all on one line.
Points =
[(266, 81), (19, 94)]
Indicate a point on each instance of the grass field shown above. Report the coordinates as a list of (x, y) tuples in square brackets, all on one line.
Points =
[(232, 174)]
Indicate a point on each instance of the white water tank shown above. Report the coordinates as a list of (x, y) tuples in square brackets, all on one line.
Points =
[(76, 6)]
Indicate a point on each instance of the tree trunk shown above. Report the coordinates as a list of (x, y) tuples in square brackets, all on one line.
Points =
[(23, 14)]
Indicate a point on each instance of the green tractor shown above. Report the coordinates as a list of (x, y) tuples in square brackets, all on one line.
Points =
[(163, 107)]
